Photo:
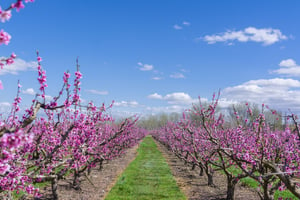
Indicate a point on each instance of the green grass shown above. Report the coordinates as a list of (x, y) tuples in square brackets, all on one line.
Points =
[(147, 177), (36, 185), (250, 182)]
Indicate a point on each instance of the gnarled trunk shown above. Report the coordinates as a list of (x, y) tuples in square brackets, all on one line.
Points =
[(231, 183), (54, 188)]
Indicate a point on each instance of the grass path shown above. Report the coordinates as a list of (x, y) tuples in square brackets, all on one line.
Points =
[(147, 177)]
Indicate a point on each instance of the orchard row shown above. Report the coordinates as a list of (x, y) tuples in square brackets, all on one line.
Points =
[(66, 139), (271, 158)]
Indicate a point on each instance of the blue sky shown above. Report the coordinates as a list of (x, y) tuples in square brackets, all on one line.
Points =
[(158, 56)]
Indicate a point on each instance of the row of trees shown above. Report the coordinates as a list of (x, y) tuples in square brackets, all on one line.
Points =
[(56, 138), (204, 139), (68, 139)]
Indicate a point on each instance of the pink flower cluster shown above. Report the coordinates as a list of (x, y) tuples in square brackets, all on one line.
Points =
[(269, 157), (5, 15), (8, 61), (4, 37), (67, 140)]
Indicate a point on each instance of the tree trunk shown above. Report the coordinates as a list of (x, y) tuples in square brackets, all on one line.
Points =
[(201, 171), (193, 167), (266, 193), (89, 171), (54, 188), (186, 157), (231, 182), (209, 174), (76, 180), (101, 165), (210, 181)]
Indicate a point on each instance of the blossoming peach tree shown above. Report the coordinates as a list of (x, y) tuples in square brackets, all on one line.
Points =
[(271, 158), (67, 139)]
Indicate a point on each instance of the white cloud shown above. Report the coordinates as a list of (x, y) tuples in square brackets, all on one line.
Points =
[(225, 103), (166, 109), (145, 67), (92, 91), (277, 93), (18, 66), (155, 96), (179, 98), (156, 78), (186, 23), (177, 75), (5, 107), (288, 67), (267, 36), (184, 70), (29, 91), (126, 104), (287, 63), (177, 27), (174, 98), (48, 98)]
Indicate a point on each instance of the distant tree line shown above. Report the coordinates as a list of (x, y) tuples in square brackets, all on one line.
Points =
[(233, 115)]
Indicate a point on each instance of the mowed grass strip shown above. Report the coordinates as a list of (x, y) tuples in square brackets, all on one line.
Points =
[(147, 177)]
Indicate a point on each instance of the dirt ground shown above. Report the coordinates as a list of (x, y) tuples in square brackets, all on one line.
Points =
[(195, 187), (99, 183)]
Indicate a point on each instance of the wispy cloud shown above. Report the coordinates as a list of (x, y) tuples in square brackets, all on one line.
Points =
[(145, 67), (18, 66), (288, 67), (166, 109), (5, 107), (177, 27), (267, 36), (29, 91), (177, 75), (156, 78), (126, 104), (186, 23), (92, 91), (174, 98), (184, 70), (155, 96), (277, 93)]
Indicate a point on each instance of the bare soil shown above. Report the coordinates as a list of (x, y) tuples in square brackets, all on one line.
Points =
[(98, 183), (195, 187)]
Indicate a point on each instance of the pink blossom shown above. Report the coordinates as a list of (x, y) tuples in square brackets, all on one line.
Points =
[(78, 75), (4, 168), (5, 15), (18, 5), (4, 37), (9, 61), (281, 188), (13, 55), (39, 59), (66, 77), (1, 85)]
